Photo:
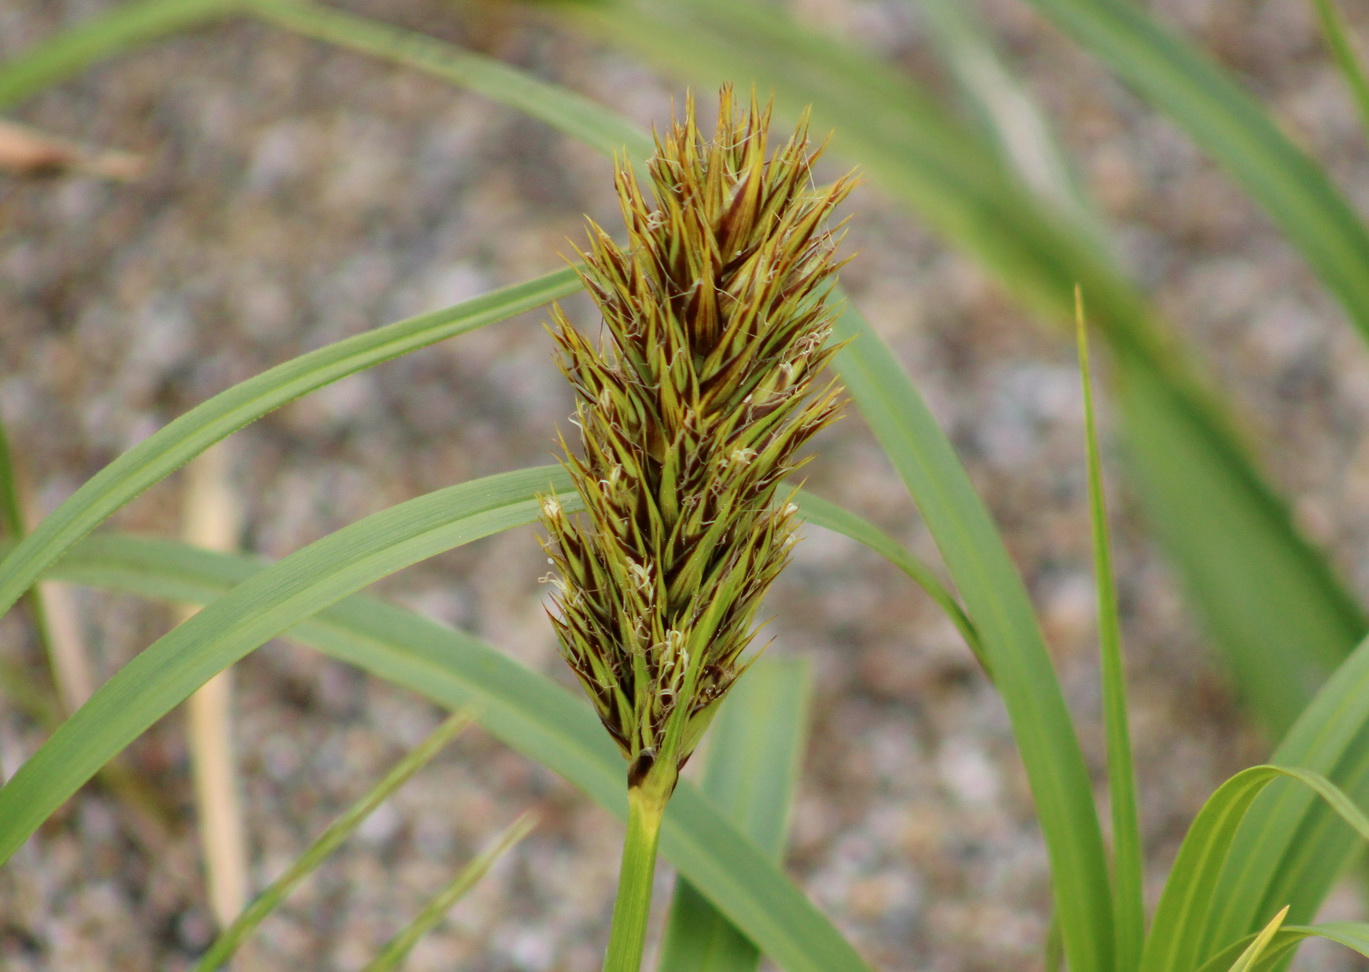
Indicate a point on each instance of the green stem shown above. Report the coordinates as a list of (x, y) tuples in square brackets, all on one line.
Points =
[(646, 805)]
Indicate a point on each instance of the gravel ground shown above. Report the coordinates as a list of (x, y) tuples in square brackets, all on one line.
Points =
[(297, 194)]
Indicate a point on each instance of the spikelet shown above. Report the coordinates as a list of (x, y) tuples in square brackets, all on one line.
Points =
[(690, 418)]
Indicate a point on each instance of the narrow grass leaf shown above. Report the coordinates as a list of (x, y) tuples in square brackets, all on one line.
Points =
[(397, 949), (1128, 869), (327, 842), (755, 747), (164, 674), (176, 444), (525, 710), (1180, 933), (1006, 110), (1342, 46), (998, 603)]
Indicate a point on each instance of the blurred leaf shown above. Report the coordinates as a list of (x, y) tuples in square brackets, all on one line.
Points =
[(125, 26), (397, 949), (525, 710), (1342, 47), (1006, 111), (329, 841), (1219, 115), (1201, 490), (755, 747)]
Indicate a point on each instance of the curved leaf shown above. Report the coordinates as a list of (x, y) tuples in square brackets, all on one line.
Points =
[(1128, 860), (1003, 617), (595, 125), (168, 671), (177, 443), (827, 514), (525, 710), (1183, 919), (1353, 935), (1291, 847), (755, 746), (1219, 115)]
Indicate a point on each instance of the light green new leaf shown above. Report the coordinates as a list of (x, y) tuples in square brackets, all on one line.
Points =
[(996, 600), (168, 671), (176, 444), (232, 937), (755, 745), (1128, 865), (1353, 935), (525, 710), (1182, 929), (1260, 946)]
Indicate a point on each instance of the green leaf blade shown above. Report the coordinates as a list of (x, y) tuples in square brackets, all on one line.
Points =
[(172, 446), (76, 49), (232, 937), (996, 600), (1128, 865), (1219, 115), (267, 604), (526, 711), (1183, 932)]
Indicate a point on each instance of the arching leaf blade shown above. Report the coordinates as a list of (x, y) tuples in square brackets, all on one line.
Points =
[(177, 443), (525, 710), (167, 672)]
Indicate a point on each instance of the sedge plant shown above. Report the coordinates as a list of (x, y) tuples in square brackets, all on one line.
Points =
[(691, 415), (1249, 853)]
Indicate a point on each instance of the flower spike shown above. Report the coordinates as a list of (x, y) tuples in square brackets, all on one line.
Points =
[(691, 414)]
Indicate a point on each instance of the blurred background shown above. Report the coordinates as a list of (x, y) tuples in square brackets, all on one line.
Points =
[(287, 194)]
